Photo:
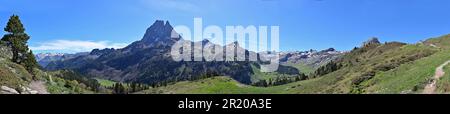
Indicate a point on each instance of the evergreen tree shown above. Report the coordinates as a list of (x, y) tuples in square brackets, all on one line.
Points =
[(270, 82), (116, 88), (134, 87), (122, 89), (18, 39), (328, 68), (297, 78), (119, 89)]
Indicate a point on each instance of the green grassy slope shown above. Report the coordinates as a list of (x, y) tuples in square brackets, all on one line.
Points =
[(359, 66), (443, 85), (16, 76), (226, 85), (303, 68), (441, 42), (64, 82), (216, 85), (105, 83), (384, 68), (258, 75), (13, 75), (408, 78)]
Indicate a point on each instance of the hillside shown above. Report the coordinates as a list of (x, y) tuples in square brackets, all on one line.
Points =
[(12, 74), (439, 42), (443, 85), (391, 67), (20, 74), (15, 79), (214, 85)]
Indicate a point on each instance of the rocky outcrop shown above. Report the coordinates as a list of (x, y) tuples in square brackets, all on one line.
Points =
[(371, 41), (27, 90), (7, 90), (24, 90)]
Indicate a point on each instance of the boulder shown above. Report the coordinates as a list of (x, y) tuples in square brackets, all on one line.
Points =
[(7, 90)]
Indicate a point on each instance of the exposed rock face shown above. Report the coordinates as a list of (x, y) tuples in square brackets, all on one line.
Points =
[(7, 90), (23, 90), (158, 32)]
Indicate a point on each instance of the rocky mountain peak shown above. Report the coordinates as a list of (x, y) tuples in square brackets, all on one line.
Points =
[(158, 31)]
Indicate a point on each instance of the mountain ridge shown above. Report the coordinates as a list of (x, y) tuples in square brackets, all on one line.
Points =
[(133, 62)]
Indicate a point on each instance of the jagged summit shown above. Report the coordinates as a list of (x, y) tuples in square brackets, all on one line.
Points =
[(158, 31), (158, 23)]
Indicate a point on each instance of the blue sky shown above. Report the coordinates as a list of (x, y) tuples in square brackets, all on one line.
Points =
[(79, 25)]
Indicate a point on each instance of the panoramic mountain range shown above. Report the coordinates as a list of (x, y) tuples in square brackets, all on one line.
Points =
[(146, 66), (45, 58), (149, 61)]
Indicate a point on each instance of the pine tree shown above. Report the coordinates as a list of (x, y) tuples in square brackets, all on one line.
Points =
[(133, 87), (119, 88), (303, 76), (270, 82), (18, 39), (116, 88)]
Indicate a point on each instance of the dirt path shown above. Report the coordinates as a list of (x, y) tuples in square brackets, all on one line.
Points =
[(39, 86), (431, 87)]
